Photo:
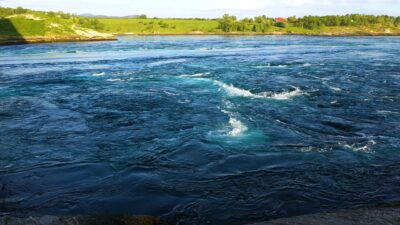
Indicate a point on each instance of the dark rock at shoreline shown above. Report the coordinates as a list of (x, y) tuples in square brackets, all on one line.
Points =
[(83, 220), (375, 216), (372, 216)]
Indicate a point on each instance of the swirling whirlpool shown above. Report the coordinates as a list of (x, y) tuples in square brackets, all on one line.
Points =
[(202, 129)]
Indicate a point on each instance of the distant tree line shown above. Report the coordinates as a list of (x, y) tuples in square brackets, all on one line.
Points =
[(92, 23), (142, 16), (229, 23), (311, 22), (10, 11)]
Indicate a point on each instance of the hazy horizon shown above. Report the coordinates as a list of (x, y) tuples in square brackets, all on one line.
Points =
[(211, 8)]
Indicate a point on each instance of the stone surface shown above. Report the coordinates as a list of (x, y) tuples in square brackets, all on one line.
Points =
[(83, 220), (376, 216)]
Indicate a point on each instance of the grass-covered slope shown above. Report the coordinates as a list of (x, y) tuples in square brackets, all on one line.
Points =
[(354, 24), (158, 26), (23, 25)]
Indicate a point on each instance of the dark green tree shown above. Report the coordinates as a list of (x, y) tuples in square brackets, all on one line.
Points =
[(228, 23)]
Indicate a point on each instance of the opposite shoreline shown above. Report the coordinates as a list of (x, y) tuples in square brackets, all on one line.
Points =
[(266, 34), (37, 40)]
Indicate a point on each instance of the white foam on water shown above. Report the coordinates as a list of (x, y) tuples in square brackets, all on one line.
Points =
[(320, 78), (114, 79), (164, 62), (269, 66), (307, 64), (358, 149), (313, 149), (236, 133), (335, 88), (216, 49), (234, 91), (99, 74), (238, 92), (228, 105), (185, 101), (361, 148), (386, 112), (123, 73), (238, 127), (263, 66), (205, 49), (170, 93), (195, 75), (120, 79), (283, 95)]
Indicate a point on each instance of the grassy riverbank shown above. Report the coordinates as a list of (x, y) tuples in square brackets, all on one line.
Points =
[(28, 26), (207, 27), (159, 26)]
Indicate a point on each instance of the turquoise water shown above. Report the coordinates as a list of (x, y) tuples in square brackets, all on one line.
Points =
[(202, 129)]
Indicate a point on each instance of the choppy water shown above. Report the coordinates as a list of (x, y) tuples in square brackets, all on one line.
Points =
[(200, 130)]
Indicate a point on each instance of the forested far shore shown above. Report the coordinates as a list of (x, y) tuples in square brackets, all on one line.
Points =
[(228, 24), (20, 23), (263, 23)]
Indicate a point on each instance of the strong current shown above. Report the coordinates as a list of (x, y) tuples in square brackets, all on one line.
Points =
[(200, 129)]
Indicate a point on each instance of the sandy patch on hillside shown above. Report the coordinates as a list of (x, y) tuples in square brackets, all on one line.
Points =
[(54, 25), (26, 16), (89, 32), (197, 32)]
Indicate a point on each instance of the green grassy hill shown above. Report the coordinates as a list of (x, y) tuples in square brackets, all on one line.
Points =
[(354, 24), (24, 24), (158, 26)]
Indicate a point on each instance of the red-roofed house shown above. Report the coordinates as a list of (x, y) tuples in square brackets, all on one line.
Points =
[(280, 19)]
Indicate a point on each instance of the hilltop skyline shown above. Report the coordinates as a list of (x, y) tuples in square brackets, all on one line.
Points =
[(212, 8)]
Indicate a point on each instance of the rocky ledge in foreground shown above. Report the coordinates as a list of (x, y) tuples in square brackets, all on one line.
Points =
[(375, 216), (83, 220), (368, 216)]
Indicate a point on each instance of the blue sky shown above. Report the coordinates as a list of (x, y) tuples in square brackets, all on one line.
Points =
[(212, 8)]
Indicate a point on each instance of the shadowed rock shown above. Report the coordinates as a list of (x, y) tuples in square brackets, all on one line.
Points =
[(83, 220), (379, 216)]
